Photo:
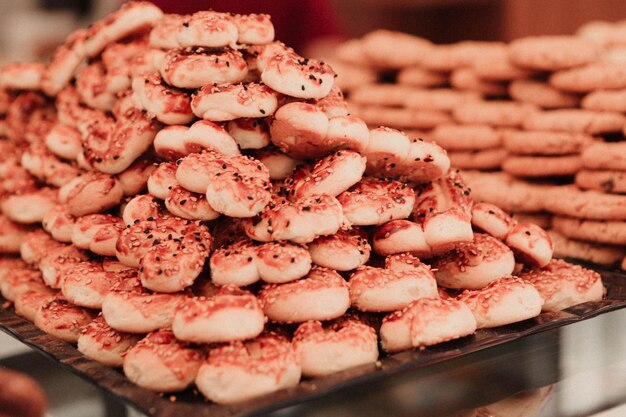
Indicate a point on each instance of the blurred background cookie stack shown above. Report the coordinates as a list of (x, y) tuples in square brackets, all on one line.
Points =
[(528, 118)]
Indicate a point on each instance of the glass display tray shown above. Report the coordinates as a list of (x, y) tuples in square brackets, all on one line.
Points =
[(190, 403)]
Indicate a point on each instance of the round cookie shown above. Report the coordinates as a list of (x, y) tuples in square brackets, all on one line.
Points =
[(400, 117), (380, 94), (609, 232), (542, 166), (575, 121), (599, 76), (497, 66), (493, 113), (541, 94), (442, 99), (381, 49), (565, 247), (485, 159), (610, 156), (456, 137), (607, 181), (539, 142), (572, 202), (551, 53), (418, 77), (466, 79), (506, 191), (605, 100)]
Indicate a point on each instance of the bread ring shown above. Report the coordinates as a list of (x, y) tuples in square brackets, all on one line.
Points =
[(55, 263), (324, 350), (137, 311), (9, 264), (344, 251), (504, 301), (491, 219), (188, 205), (374, 201), (102, 343), (443, 207), (397, 236), (279, 165), (174, 264), (235, 264), (231, 314), (66, 59), (175, 142), (86, 284), (334, 104), (17, 180), (59, 222), (531, 244), (300, 222), (112, 147), (331, 175), (280, 262), (427, 321), (242, 263), (378, 289), (390, 153), (258, 56), (240, 371), (92, 88), (29, 302), (162, 179), (113, 265), (249, 133), (64, 141), (21, 75), (169, 105), (30, 206), (254, 29), (563, 285), (12, 235), (159, 362), (37, 244), (321, 295), (473, 265), (97, 232), (117, 58), (136, 240), (298, 128), (223, 102), (21, 113), (128, 19), (196, 170), (72, 113), (164, 32), (91, 193), (41, 163), (140, 208), (19, 281), (194, 67), (63, 320), (209, 29), (295, 76)]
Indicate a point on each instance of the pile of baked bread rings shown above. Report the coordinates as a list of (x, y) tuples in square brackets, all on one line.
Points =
[(189, 199)]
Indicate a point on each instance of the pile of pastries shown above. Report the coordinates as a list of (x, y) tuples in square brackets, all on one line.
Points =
[(189, 199), (544, 116)]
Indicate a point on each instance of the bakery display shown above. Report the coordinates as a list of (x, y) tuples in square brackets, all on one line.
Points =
[(204, 187)]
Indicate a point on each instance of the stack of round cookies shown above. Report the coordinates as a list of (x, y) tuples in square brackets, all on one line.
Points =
[(190, 200), (546, 110)]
